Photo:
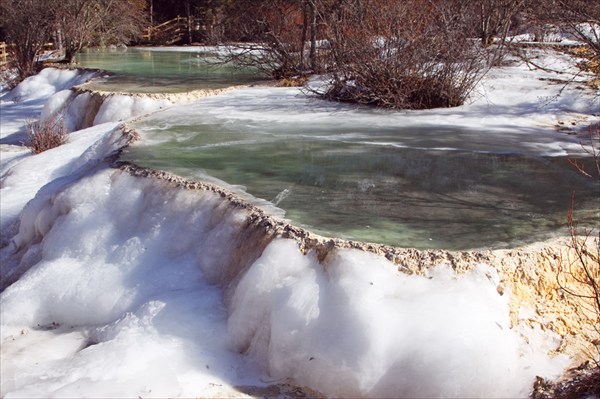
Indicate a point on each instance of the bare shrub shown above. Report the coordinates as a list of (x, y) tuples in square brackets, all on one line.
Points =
[(427, 58), (282, 35), (27, 25), (580, 18), (495, 18), (390, 53), (46, 135)]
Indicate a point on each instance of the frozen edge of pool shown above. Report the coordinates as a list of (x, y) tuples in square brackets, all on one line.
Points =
[(175, 97), (527, 271)]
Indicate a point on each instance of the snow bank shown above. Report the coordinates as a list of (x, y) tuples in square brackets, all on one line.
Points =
[(23, 178), (26, 101), (125, 282), (50, 94), (47, 82), (124, 275), (81, 110), (356, 327), (46, 95)]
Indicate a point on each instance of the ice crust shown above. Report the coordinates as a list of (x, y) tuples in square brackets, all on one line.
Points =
[(122, 107), (74, 108)]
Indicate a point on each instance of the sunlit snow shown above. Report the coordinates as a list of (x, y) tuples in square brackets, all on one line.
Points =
[(123, 286)]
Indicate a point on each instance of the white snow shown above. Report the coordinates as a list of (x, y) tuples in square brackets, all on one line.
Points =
[(121, 286), (24, 175), (48, 82), (122, 107), (513, 109), (135, 291), (139, 290), (357, 327), (24, 103)]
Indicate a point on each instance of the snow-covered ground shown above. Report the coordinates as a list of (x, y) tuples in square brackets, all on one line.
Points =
[(123, 286)]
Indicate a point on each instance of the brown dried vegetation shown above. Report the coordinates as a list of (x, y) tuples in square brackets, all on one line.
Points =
[(46, 135)]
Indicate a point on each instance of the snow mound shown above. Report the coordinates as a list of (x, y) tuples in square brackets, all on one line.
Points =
[(47, 82), (122, 107), (132, 279), (24, 177), (80, 110), (355, 327), (122, 279)]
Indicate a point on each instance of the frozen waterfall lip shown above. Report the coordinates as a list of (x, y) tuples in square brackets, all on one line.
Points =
[(273, 226), (174, 97), (276, 227), (91, 86), (537, 260)]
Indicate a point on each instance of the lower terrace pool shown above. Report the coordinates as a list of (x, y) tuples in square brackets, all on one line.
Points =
[(360, 174), (148, 70)]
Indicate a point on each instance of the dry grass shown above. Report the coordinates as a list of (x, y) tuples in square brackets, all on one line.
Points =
[(579, 278), (591, 64), (295, 81), (583, 384), (46, 135)]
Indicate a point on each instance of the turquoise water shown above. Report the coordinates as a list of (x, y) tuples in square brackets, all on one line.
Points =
[(358, 183), (138, 70), (349, 172)]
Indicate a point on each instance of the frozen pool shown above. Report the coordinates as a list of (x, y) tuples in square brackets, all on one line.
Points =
[(362, 174), (139, 70)]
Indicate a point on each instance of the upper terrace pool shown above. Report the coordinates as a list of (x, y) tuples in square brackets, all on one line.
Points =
[(431, 179), (369, 175), (141, 70)]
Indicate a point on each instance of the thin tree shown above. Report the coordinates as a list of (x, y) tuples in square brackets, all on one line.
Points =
[(496, 18), (28, 25), (277, 32), (426, 59), (98, 22)]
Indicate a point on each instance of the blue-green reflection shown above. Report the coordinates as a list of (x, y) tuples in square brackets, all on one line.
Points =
[(138, 70), (336, 184)]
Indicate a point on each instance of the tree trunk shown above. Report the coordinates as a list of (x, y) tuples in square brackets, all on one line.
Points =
[(313, 37), (304, 33), (69, 54), (486, 37), (188, 11)]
